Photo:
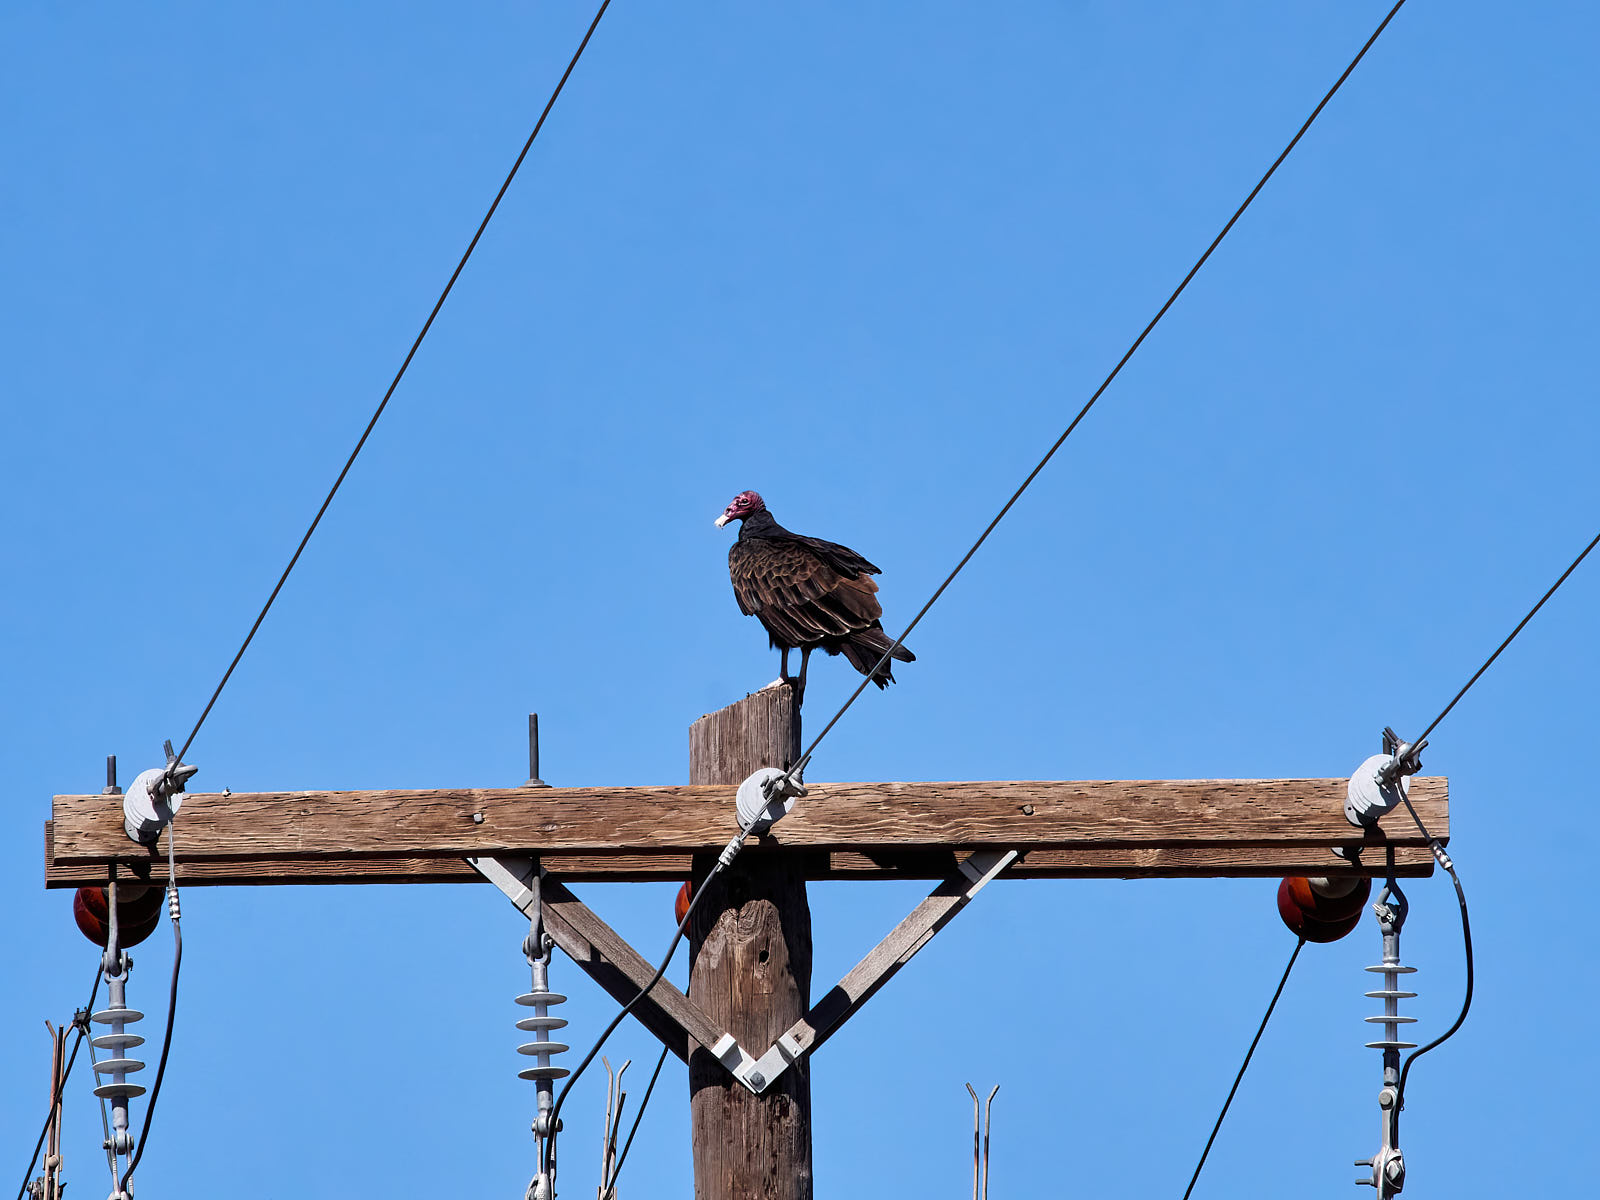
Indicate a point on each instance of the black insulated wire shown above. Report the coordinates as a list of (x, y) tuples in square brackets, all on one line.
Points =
[(61, 1090), (1466, 941), (799, 766), (1267, 1016), (1438, 847), (1478, 674), (548, 1165), (161, 1066), (399, 375)]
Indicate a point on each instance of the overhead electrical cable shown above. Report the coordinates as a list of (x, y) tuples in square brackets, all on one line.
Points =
[(80, 1022), (1488, 662), (172, 1010), (1466, 941), (398, 376), (727, 856), (1407, 761), (800, 764), (1267, 1016), (306, 538)]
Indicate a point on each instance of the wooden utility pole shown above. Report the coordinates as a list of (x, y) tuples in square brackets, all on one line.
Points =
[(747, 1029), (750, 972)]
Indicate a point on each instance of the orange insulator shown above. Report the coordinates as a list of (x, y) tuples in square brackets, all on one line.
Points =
[(138, 913), (1311, 912), (680, 906)]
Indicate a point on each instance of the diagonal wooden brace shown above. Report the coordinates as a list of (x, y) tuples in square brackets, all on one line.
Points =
[(677, 1020), (601, 953)]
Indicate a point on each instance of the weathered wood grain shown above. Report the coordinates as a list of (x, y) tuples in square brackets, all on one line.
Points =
[(871, 819), (1173, 862), (621, 970), (750, 973)]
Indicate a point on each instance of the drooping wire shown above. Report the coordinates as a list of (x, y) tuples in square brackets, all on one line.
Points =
[(1411, 763), (1449, 865), (105, 1126), (1267, 1016), (400, 374), (55, 1102), (795, 771), (609, 1187), (549, 1164), (1488, 662), (172, 1010)]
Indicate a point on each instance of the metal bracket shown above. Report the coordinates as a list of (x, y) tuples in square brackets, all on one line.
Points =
[(677, 1020)]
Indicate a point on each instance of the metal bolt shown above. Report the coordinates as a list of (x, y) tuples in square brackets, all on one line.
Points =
[(1027, 810), (477, 818), (757, 1079)]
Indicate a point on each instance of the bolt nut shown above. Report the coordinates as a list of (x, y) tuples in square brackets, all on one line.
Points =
[(757, 1079), (477, 818), (1027, 810)]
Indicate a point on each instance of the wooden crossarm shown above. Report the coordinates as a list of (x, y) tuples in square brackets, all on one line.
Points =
[(1103, 827)]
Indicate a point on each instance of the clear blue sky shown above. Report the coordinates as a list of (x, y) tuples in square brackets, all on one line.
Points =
[(867, 259)]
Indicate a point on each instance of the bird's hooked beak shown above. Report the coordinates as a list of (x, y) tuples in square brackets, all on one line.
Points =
[(722, 520)]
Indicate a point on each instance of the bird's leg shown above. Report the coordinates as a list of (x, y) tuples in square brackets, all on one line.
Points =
[(800, 686), (783, 668)]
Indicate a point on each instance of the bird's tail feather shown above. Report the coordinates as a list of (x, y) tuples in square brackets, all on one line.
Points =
[(865, 647)]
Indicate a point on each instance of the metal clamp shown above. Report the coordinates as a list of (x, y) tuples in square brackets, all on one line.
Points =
[(154, 799)]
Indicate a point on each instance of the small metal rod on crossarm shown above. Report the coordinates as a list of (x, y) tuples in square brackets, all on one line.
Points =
[(533, 753)]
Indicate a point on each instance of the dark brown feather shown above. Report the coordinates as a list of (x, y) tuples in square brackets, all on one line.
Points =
[(811, 593)]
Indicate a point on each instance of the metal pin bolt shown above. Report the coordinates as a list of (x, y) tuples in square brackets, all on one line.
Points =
[(757, 1080), (477, 818), (1027, 810), (533, 753)]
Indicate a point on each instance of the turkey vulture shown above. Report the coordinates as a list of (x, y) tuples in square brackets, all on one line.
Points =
[(807, 592)]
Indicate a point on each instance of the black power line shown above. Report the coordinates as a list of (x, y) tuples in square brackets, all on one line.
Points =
[(55, 1103), (1407, 760), (1416, 746), (166, 1041), (548, 1166), (1099, 391), (400, 374), (1466, 941), (1267, 1016)]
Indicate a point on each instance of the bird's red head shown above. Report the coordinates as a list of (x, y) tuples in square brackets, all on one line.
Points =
[(743, 505)]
